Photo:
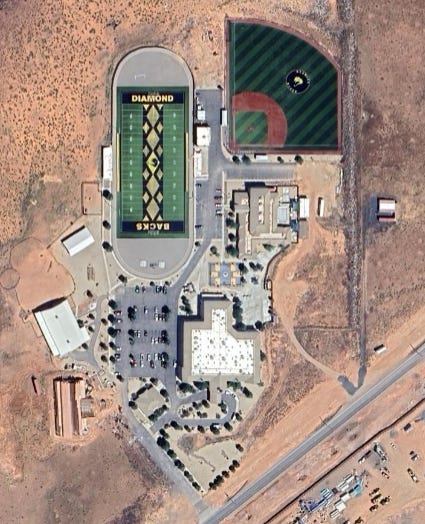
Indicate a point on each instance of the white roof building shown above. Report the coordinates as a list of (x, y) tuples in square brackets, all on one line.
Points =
[(216, 350), (304, 210), (203, 136), (78, 241), (386, 206), (211, 346), (197, 164), (60, 328), (107, 162)]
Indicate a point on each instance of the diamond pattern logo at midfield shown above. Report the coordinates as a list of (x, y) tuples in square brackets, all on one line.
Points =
[(152, 139), (152, 209), (152, 185), (153, 115), (152, 160)]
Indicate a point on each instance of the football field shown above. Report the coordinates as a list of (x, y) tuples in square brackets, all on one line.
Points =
[(152, 171)]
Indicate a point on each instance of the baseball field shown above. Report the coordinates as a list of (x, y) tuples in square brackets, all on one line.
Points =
[(152, 130), (283, 92)]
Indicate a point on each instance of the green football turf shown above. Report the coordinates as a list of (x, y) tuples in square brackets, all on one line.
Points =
[(131, 162), (174, 156), (137, 187), (251, 127), (260, 57)]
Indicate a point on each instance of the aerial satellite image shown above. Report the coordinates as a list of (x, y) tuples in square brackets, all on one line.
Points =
[(212, 262)]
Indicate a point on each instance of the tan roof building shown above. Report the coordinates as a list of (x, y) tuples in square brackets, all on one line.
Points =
[(266, 215), (68, 393)]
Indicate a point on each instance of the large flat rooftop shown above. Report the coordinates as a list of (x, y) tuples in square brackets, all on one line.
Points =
[(212, 346)]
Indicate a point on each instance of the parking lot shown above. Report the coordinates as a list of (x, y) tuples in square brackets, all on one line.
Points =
[(209, 207), (145, 325)]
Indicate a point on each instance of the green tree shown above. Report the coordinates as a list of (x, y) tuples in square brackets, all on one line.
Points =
[(163, 443), (186, 388), (247, 392), (232, 250)]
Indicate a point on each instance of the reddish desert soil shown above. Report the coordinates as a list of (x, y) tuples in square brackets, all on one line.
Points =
[(391, 163), (106, 481), (56, 67), (392, 159), (332, 451), (41, 278)]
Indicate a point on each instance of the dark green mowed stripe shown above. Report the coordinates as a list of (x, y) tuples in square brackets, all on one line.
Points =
[(258, 121), (316, 123), (252, 65), (311, 99), (307, 127), (262, 57)]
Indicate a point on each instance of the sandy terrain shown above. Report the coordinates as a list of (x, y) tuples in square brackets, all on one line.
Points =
[(392, 160), (57, 61), (41, 278), (80, 484), (47, 150), (369, 422)]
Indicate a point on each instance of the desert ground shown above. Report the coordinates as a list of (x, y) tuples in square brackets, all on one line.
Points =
[(56, 68), (274, 504)]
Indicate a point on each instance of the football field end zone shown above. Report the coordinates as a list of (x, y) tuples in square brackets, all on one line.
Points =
[(154, 257), (315, 131), (152, 126)]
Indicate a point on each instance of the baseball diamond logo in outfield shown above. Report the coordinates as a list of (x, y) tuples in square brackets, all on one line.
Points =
[(283, 92), (297, 81)]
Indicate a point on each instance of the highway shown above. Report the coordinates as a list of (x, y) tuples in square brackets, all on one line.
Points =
[(359, 401)]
